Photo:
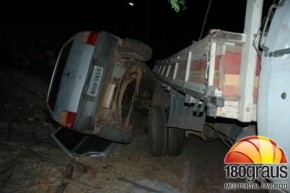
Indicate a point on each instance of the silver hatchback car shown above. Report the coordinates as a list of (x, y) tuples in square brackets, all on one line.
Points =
[(98, 80)]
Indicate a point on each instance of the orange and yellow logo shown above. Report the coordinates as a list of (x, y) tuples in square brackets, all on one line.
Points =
[(255, 150)]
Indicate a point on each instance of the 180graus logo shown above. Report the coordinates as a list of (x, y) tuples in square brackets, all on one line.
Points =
[(256, 159)]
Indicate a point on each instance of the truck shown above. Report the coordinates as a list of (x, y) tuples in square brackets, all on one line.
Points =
[(227, 85)]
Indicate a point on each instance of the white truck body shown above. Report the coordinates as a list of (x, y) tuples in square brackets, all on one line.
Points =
[(273, 101)]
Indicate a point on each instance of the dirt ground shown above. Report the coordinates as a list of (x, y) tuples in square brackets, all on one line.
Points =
[(30, 161)]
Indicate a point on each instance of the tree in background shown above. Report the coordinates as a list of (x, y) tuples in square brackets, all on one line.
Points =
[(176, 5)]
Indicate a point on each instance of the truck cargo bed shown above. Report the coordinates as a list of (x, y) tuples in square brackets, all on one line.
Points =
[(208, 72)]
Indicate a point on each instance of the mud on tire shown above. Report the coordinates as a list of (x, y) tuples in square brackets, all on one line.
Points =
[(135, 49)]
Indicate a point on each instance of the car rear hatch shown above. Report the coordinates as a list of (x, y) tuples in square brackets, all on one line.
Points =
[(78, 77)]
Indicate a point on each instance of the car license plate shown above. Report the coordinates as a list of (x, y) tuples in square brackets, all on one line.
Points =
[(95, 81)]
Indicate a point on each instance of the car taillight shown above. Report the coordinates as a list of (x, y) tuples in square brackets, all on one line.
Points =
[(67, 119), (90, 37)]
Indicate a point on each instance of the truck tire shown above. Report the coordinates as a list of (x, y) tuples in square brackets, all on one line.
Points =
[(175, 142), (135, 50), (157, 131)]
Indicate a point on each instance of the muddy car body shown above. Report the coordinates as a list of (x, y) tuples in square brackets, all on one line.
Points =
[(98, 80)]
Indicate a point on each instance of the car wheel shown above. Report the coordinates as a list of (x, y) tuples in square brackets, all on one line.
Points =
[(135, 49), (157, 131), (175, 142)]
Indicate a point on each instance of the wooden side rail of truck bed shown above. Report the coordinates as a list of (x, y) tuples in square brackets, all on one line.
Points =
[(208, 74)]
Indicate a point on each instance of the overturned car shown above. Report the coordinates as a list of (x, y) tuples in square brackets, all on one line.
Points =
[(98, 80)]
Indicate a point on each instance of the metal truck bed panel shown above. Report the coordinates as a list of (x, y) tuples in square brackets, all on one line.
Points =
[(209, 70)]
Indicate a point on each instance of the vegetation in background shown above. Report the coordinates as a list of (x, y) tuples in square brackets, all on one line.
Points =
[(176, 5)]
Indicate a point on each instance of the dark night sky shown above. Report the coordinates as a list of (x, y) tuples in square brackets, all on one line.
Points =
[(150, 21)]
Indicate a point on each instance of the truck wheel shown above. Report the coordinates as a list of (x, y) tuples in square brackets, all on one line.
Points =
[(175, 141), (157, 131), (135, 49)]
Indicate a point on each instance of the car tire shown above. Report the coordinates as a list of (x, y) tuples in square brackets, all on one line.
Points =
[(175, 142), (157, 131), (136, 50)]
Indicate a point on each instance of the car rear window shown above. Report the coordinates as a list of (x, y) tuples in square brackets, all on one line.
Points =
[(58, 75)]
